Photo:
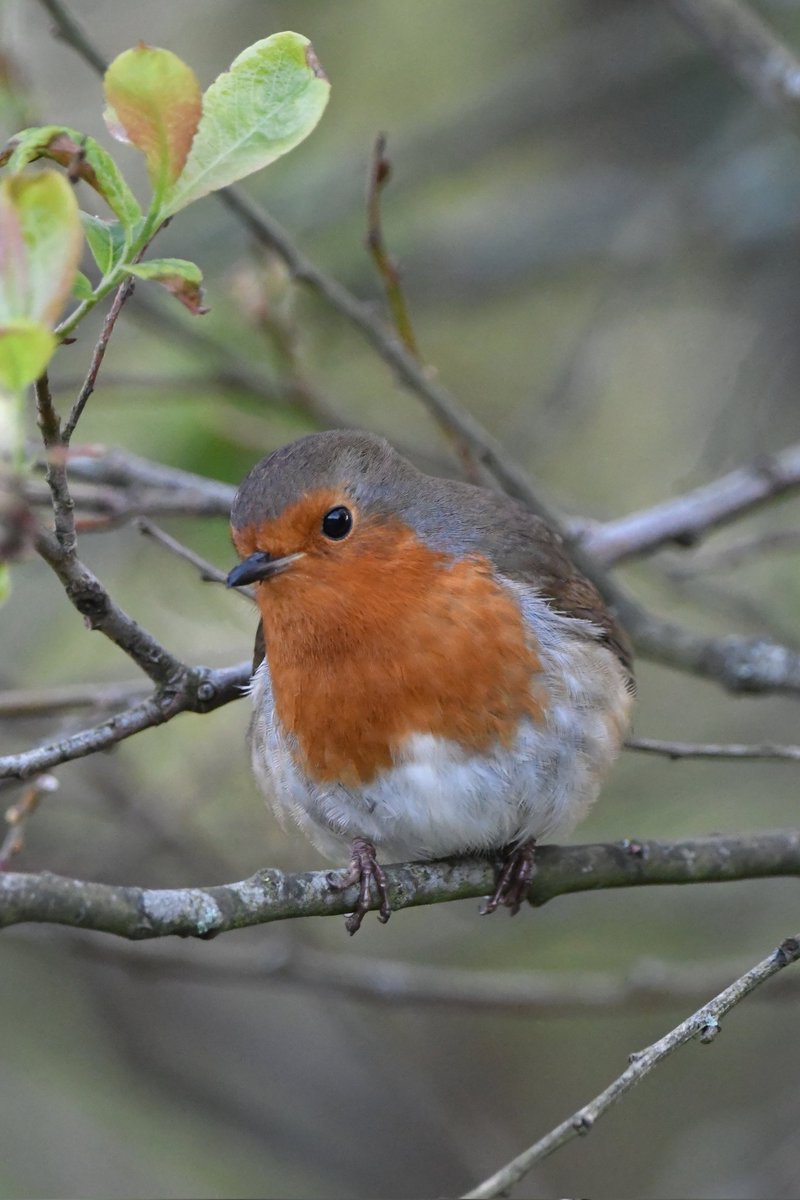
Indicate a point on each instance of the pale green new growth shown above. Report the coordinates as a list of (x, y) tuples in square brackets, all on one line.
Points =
[(40, 248), (269, 101), (25, 350)]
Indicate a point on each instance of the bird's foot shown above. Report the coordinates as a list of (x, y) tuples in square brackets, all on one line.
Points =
[(364, 869), (513, 884)]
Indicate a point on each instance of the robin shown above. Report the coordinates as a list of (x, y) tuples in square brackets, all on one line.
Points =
[(432, 675)]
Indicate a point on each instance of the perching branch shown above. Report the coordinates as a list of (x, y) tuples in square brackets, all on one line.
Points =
[(703, 1024), (271, 895)]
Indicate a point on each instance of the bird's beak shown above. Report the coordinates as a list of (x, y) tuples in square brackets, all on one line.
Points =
[(260, 565)]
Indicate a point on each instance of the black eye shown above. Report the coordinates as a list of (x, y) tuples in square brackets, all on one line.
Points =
[(337, 523)]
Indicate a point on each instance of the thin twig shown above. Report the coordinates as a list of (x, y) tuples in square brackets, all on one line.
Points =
[(271, 895), (18, 814), (87, 594), (43, 702), (208, 572), (196, 689), (677, 750), (124, 290), (703, 1024), (70, 32), (380, 170)]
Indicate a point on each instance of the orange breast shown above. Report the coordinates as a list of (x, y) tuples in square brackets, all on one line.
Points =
[(386, 638)]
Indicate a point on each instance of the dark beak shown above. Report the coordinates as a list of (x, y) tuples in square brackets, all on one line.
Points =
[(260, 565)]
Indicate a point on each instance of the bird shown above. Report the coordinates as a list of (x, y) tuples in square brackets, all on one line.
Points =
[(432, 675)]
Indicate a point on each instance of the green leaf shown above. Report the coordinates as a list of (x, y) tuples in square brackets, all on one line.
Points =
[(40, 246), (84, 158), (26, 348), (183, 279), (105, 239), (82, 287), (155, 97), (269, 101)]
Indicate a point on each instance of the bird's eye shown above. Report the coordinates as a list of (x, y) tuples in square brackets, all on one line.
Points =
[(337, 523)]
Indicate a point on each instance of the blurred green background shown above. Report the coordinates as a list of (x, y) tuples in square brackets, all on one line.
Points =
[(600, 236)]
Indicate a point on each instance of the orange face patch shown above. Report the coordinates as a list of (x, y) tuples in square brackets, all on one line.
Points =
[(378, 637)]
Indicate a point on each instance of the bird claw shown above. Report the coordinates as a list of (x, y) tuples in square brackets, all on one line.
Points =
[(364, 869), (515, 879)]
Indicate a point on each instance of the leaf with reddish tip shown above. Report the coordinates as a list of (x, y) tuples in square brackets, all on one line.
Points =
[(183, 279), (155, 97), (266, 104), (26, 347), (40, 246), (84, 159)]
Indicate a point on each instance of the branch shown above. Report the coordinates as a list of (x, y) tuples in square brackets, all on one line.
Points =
[(748, 47), (208, 572), (677, 750), (685, 518), (87, 594), (703, 1024), (650, 984), (56, 468), (195, 689), (271, 895), (442, 405), (18, 814), (42, 702), (380, 170), (124, 290)]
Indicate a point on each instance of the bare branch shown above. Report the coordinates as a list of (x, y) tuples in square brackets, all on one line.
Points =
[(124, 290), (90, 598), (42, 702), (703, 1024), (685, 518), (55, 467), (197, 689), (677, 750), (18, 814), (271, 895), (208, 572), (748, 47), (118, 468), (70, 32), (380, 170)]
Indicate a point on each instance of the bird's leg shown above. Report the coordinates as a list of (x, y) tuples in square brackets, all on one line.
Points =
[(515, 878), (364, 868)]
